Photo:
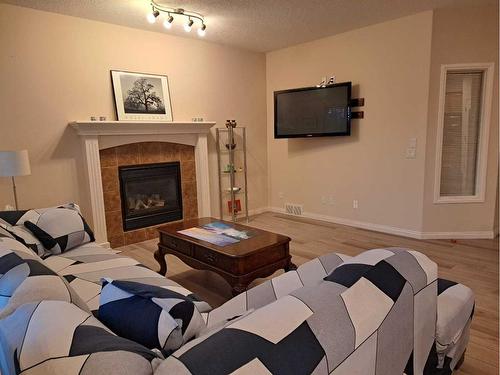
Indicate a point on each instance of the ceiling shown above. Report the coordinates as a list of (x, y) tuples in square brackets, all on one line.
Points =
[(257, 25)]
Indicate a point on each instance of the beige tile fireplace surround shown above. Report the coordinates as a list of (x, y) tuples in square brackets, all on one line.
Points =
[(107, 145), (134, 154)]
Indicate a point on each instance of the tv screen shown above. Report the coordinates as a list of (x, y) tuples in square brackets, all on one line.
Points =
[(313, 111)]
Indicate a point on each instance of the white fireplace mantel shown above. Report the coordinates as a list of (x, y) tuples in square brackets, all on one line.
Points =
[(98, 135)]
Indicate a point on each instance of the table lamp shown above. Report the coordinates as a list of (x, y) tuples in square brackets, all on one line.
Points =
[(12, 164)]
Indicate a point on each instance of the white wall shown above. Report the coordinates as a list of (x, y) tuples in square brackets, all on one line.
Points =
[(55, 69)]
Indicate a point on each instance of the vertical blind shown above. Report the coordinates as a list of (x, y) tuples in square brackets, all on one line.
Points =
[(461, 131)]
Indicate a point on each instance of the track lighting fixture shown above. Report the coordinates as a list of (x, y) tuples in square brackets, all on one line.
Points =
[(153, 15), (201, 30), (187, 26), (168, 21)]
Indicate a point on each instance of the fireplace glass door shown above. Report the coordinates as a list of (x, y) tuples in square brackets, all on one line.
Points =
[(150, 194)]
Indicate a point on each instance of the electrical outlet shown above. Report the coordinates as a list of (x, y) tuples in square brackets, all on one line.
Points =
[(323, 200), (355, 204), (281, 195), (331, 201)]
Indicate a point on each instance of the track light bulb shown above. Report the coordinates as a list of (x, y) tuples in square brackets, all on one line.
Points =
[(202, 30), (187, 26), (152, 16), (168, 22)]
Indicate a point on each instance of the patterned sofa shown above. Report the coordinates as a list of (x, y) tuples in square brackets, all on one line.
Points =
[(381, 312)]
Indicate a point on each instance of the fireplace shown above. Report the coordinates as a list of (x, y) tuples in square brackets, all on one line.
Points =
[(150, 194)]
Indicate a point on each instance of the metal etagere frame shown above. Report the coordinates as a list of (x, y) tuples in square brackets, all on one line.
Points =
[(232, 168)]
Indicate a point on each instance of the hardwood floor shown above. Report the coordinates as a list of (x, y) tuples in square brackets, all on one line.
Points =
[(471, 262)]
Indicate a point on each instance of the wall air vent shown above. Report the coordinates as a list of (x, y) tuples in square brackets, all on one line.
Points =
[(294, 209)]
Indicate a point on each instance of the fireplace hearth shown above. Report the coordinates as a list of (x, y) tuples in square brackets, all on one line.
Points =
[(150, 194)]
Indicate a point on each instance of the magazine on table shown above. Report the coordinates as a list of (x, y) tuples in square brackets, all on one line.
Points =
[(218, 233)]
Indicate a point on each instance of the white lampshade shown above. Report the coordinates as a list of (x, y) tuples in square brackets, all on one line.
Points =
[(14, 163)]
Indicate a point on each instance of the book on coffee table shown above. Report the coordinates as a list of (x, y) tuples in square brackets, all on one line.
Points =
[(218, 233)]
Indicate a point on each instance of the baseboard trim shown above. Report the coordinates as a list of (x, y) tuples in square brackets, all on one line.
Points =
[(485, 234), (257, 211), (390, 229), (354, 223), (252, 212)]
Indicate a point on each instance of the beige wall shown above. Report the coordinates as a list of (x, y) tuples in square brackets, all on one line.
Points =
[(468, 35), (388, 65), (55, 69)]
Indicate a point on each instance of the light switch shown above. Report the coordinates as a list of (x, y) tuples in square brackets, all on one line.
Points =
[(411, 153)]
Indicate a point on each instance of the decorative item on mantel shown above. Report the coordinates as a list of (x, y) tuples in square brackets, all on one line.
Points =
[(227, 142), (101, 118), (141, 96)]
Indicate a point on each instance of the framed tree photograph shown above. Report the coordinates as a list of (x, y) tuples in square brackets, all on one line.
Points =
[(141, 96)]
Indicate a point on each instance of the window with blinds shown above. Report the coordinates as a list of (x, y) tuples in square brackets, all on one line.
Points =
[(461, 132), (465, 102)]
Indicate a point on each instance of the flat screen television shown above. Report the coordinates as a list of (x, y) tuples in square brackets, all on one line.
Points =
[(313, 111)]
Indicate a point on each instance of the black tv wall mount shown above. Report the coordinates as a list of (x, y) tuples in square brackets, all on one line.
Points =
[(357, 102)]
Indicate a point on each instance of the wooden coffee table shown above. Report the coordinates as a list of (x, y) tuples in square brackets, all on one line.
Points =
[(239, 264)]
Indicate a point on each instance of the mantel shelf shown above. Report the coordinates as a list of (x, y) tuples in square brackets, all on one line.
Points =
[(98, 128)]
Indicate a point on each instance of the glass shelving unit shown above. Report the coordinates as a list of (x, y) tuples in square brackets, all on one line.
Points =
[(232, 168)]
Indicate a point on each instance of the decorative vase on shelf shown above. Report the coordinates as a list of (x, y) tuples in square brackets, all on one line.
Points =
[(236, 189)]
